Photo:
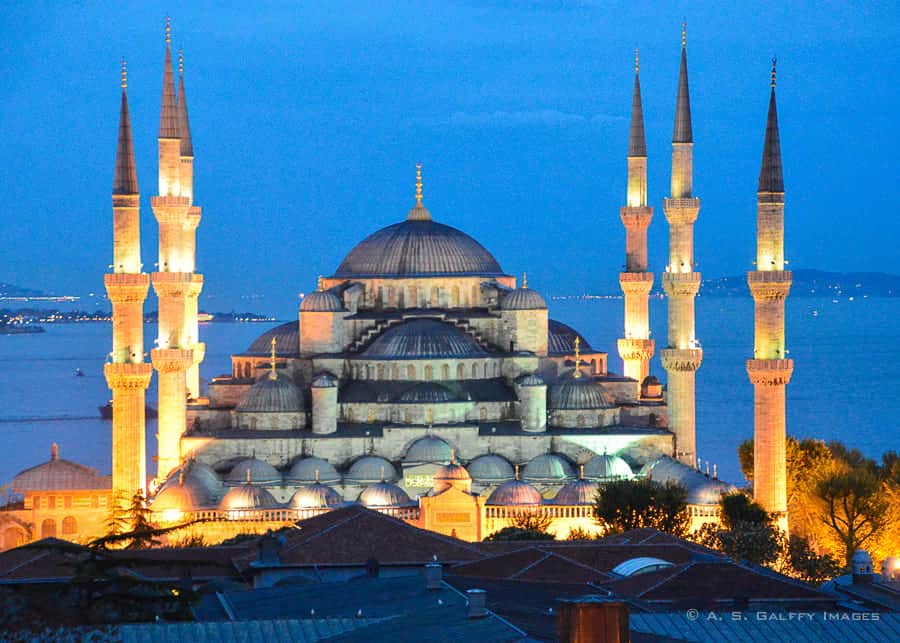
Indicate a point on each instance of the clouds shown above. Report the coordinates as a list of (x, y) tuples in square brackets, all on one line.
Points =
[(530, 117)]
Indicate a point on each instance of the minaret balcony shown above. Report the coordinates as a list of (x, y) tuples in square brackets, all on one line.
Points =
[(681, 211), (170, 209), (134, 376), (636, 283), (177, 284), (172, 360), (636, 217), (126, 200), (769, 285), (681, 359), (681, 284), (126, 287), (635, 349), (770, 372)]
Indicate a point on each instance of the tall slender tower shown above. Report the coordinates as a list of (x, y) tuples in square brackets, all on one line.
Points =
[(175, 284), (770, 370), (636, 348), (683, 356), (127, 374)]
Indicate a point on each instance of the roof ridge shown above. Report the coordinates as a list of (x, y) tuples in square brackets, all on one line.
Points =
[(579, 563), (42, 554), (545, 556), (683, 568)]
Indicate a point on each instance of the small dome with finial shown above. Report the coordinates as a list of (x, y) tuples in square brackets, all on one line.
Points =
[(523, 298), (315, 496), (383, 495), (321, 301)]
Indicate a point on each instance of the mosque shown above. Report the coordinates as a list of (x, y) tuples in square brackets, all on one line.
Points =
[(420, 379)]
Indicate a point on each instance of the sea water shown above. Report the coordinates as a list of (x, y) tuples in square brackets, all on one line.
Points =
[(845, 383)]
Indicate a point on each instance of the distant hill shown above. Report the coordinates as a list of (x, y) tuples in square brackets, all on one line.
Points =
[(814, 283)]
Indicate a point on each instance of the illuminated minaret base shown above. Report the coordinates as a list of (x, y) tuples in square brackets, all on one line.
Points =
[(176, 285), (770, 370), (682, 357), (127, 375), (636, 348)]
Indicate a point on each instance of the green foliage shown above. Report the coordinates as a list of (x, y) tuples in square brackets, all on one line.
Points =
[(746, 532), (855, 509), (809, 566), (516, 533), (577, 533), (738, 508), (532, 521), (745, 456), (623, 505)]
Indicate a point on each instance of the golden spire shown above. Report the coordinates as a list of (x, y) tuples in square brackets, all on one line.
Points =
[(637, 60), (124, 73), (577, 372), (452, 456), (524, 280), (418, 184), (248, 476), (273, 375), (581, 472), (382, 473), (683, 34), (317, 476), (774, 60), (168, 30), (320, 284), (517, 472), (180, 62)]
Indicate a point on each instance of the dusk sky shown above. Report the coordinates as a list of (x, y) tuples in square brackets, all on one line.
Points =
[(308, 120)]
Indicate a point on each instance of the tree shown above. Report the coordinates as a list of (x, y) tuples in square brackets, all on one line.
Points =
[(623, 505), (746, 532), (516, 533), (854, 508), (532, 520), (577, 533), (809, 566), (129, 525)]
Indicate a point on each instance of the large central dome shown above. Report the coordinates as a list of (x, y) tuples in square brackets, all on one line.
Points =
[(418, 247)]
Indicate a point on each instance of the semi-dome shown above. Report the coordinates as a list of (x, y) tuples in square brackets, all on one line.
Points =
[(371, 469), (428, 392), (421, 248), (523, 299), (490, 468), (315, 496), (429, 449), (515, 493), (383, 495), (254, 471), (321, 301), (530, 379), (184, 493), (577, 492), (561, 339), (287, 341), (272, 395), (324, 380), (312, 469), (578, 393), (701, 489), (423, 338), (607, 467), (548, 467), (203, 474), (248, 496)]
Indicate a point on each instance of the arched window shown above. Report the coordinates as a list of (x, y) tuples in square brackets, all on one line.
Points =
[(580, 420), (455, 297), (460, 371), (599, 419), (474, 371), (435, 297), (482, 414), (381, 371), (349, 414), (429, 372), (69, 526), (48, 528), (476, 299), (496, 369), (395, 372), (410, 372), (413, 297), (407, 417), (429, 415), (371, 417), (247, 370), (445, 372)]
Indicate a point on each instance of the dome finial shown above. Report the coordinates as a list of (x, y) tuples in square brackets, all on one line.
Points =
[(321, 283), (382, 473), (54, 451), (524, 280), (317, 476), (637, 60), (168, 30), (248, 475), (774, 61), (124, 73), (273, 374), (517, 472), (684, 33), (581, 472), (452, 456), (181, 62), (418, 211), (577, 372), (418, 184)]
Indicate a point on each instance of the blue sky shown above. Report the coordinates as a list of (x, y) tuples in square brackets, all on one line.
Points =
[(308, 119)]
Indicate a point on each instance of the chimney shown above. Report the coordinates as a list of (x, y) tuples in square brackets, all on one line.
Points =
[(433, 576), (592, 619), (861, 567), (477, 599)]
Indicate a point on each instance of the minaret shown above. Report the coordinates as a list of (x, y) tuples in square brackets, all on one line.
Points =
[(127, 374), (636, 348), (175, 284), (770, 370), (682, 357), (192, 221)]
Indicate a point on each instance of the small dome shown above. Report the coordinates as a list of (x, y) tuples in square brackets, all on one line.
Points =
[(248, 496), (315, 496), (515, 493), (523, 299), (261, 473), (370, 469), (607, 467), (530, 379), (384, 494), (279, 395), (490, 468), (421, 338), (578, 393), (577, 492), (200, 475), (428, 449), (561, 339), (287, 341), (548, 467), (321, 301), (306, 470), (701, 489), (452, 471), (428, 392), (324, 380), (650, 380), (184, 493)]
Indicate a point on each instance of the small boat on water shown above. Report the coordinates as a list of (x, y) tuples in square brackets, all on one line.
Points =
[(106, 411)]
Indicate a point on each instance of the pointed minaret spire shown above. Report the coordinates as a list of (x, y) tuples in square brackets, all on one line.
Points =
[(683, 132), (770, 175), (184, 126), (168, 117), (636, 143), (125, 177)]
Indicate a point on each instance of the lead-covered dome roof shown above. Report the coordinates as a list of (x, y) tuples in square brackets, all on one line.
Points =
[(287, 341), (272, 395), (490, 468), (315, 496), (254, 471), (523, 299), (422, 248), (606, 467), (312, 469), (561, 339), (577, 492), (248, 496), (371, 468), (515, 493), (321, 301), (578, 393), (548, 467), (423, 338), (384, 494), (185, 493), (429, 448)]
